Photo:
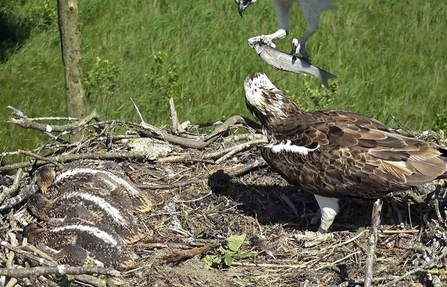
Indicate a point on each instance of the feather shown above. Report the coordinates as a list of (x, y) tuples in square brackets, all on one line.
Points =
[(339, 153)]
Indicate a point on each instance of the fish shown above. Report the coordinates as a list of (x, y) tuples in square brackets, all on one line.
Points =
[(290, 63)]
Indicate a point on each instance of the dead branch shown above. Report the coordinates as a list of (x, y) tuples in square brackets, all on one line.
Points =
[(176, 127), (228, 152), (183, 255), (56, 270), (372, 241), (14, 187), (28, 255), (28, 123), (237, 149), (39, 157), (11, 202), (232, 122), (71, 157)]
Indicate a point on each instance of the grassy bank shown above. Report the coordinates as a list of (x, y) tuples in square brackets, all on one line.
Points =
[(390, 57)]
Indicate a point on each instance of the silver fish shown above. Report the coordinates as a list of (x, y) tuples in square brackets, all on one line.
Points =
[(290, 63)]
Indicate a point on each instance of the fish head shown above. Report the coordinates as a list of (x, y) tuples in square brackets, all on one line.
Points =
[(243, 4)]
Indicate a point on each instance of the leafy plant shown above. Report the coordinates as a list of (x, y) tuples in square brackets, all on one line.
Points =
[(101, 82), (317, 99), (164, 79), (228, 253), (42, 14), (441, 121)]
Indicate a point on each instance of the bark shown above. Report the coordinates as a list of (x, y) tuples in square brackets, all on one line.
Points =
[(70, 34)]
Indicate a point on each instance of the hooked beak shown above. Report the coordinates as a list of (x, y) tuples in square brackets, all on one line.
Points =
[(241, 9)]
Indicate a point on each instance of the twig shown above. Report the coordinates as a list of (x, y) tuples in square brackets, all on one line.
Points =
[(338, 261), (174, 185), (28, 255), (89, 280), (176, 127), (247, 264), (54, 119), (183, 255), (421, 268), (39, 157), (138, 111), (10, 202), (56, 270), (14, 187), (237, 148), (405, 231), (344, 242), (372, 241), (28, 123), (71, 157), (255, 164), (230, 123), (195, 199)]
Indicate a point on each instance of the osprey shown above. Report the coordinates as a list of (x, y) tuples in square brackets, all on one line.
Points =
[(311, 10), (334, 154)]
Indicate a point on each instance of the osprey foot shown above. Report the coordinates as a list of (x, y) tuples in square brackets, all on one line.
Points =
[(263, 39), (311, 238), (298, 49)]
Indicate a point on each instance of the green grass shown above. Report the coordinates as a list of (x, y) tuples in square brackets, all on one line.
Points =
[(390, 57)]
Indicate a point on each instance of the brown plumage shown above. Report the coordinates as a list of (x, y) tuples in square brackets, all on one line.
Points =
[(103, 178), (73, 244), (45, 177), (88, 209), (337, 153)]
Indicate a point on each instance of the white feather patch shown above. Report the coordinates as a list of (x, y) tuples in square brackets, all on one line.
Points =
[(132, 190), (288, 146), (104, 236), (101, 203)]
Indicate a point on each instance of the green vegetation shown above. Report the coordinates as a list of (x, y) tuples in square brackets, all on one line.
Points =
[(390, 57), (228, 253)]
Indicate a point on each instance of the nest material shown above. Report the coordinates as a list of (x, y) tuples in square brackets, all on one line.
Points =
[(205, 194)]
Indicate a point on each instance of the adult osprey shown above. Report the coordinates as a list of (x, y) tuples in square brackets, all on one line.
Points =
[(333, 154), (311, 11)]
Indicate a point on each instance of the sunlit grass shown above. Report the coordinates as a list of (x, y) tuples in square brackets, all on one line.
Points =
[(390, 57)]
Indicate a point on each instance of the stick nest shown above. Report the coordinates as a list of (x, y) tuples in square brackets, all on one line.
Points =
[(211, 183)]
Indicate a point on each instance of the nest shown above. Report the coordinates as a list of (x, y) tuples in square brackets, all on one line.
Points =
[(212, 189)]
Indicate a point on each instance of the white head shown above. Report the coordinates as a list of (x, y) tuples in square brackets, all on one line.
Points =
[(265, 100)]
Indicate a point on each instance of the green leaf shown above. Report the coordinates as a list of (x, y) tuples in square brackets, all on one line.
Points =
[(228, 259), (212, 260), (235, 242), (243, 255)]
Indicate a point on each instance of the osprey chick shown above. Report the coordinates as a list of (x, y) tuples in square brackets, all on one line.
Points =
[(311, 10), (334, 154)]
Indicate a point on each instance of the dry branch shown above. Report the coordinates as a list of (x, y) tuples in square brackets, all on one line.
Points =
[(28, 123), (372, 241), (14, 187), (56, 270)]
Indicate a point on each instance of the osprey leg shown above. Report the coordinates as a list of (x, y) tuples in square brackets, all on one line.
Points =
[(329, 208)]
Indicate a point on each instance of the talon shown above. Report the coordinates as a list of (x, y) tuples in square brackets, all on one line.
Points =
[(298, 49)]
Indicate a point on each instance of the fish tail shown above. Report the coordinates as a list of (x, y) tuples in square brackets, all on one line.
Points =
[(324, 77)]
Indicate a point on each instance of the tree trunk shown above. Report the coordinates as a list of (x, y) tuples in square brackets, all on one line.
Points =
[(70, 34)]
